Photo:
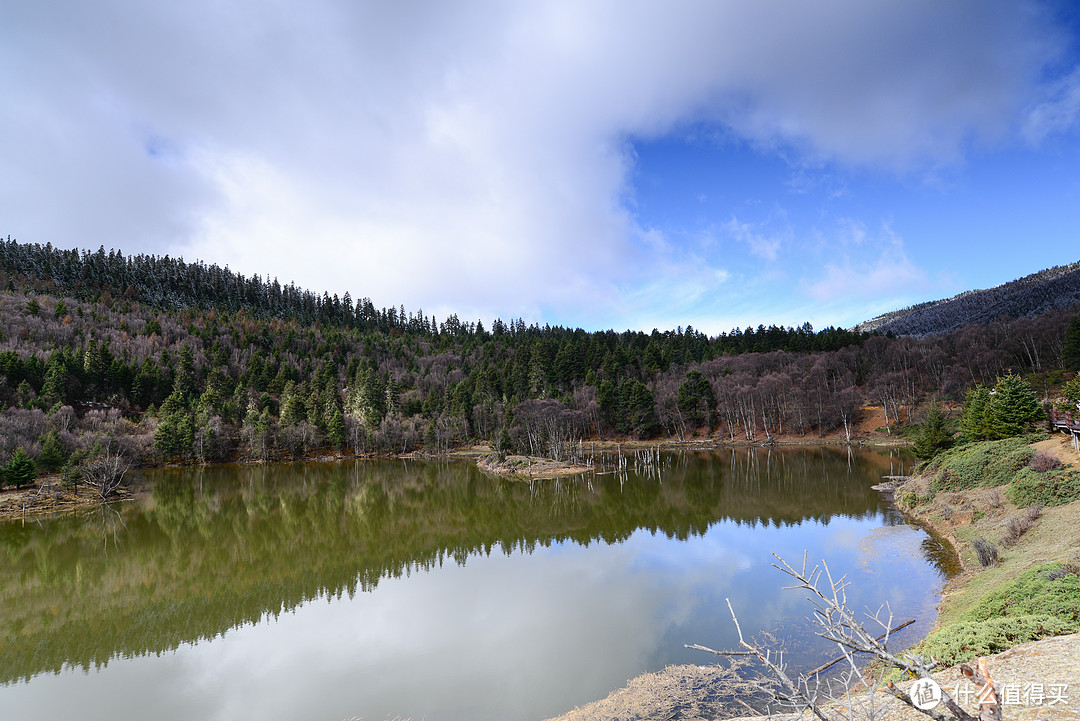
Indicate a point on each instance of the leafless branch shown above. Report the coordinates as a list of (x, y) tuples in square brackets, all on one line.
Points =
[(105, 473), (836, 622)]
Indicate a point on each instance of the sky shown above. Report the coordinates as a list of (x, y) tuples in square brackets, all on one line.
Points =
[(586, 163)]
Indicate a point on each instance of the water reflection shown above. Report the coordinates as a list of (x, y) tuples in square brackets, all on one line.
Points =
[(427, 589)]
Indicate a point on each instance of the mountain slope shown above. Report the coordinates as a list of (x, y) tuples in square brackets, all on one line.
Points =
[(1026, 297)]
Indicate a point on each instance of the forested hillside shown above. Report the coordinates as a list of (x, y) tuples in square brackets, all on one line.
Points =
[(173, 361), (1057, 287)]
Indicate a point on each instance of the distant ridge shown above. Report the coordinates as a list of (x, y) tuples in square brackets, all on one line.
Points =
[(1056, 287)]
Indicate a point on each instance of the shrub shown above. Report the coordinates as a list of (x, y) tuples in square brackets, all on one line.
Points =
[(1020, 524), (1045, 601), (1066, 569), (988, 463), (1043, 461), (913, 500), (1041, 590), (986, 552), (964, 641), (1054, 488)]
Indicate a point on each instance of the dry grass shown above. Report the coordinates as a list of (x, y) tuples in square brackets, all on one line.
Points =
[(1020, 524), (49, 495)]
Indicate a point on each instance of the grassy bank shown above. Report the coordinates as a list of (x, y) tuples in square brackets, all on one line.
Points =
[(1012, 510)]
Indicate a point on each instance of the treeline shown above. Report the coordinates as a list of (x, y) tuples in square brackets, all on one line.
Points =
[(170, 284), (83, 370)]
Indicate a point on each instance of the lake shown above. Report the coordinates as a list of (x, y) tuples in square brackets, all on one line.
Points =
[(425, 589)]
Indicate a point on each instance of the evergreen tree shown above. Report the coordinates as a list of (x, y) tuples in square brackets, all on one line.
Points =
[(933, 436), (24, 395), (52, 455), (166, 438), (315, 416), (1070, 352), (293, 409), (54, 389), (696, 399), (1012, 408), (1071, 393), (20, 470), (335, 429), (973, 420), (640, 409), (184, 380)]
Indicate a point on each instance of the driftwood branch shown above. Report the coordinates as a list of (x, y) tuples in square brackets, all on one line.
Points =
[(836, 622), (989, 703), (845, 657)]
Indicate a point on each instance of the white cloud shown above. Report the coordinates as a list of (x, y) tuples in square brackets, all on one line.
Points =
[(762, 245), (865, 267), (1058, 112), (469, 157)]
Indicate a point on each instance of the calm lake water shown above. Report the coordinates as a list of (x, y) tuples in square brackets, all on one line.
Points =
[(385, 589)]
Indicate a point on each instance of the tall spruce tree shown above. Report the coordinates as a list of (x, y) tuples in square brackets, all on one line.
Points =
[(20, 470), (1012, 408), (973, 421), (933, 436), (1070, 352)]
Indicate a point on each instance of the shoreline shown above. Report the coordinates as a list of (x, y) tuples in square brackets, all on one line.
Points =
[(1050, 660), (48, 495)]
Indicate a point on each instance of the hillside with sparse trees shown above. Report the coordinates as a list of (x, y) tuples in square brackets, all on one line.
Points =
[(165, 361), (1050, 289)]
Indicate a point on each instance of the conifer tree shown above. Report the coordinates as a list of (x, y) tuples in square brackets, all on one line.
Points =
[(20, 470), (933, 436), (51, 457), (1070, 352), (696, 399), (973, 421), (1012, 408)]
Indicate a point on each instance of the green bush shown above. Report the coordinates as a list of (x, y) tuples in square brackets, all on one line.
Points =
[(1052, 488), (1043, 602), (988, 463), (1040, 591), (966, 640)]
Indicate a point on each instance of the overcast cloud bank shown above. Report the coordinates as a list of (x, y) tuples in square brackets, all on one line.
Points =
[(478, 157)]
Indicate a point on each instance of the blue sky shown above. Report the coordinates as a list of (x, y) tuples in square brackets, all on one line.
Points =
[(597, 164)]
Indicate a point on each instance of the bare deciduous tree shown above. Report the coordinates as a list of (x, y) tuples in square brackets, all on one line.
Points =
[(105, 473)]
